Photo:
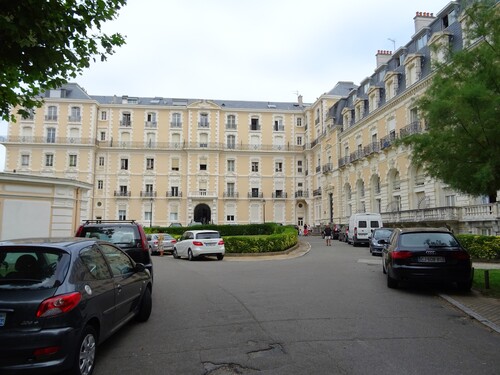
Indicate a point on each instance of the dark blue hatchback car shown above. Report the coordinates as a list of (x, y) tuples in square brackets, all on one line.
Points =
[(60, 298)]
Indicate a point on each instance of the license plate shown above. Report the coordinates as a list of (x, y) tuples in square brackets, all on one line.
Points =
[(2, 318), (431, 259), (210, 243)]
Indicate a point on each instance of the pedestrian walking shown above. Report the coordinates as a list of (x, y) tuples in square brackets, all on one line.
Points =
[(306, 230), (328, 235)]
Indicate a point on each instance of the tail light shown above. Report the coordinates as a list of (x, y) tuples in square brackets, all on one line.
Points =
[(174, 241), (355, 231), (221, 242), (58, 305), (197, 243), (144, 240), (79, 231), (402, 254), (460, 255), (41, 353), (155, 242)]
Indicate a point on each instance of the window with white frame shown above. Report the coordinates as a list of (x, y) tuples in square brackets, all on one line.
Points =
[(150, 163), (298, 121), (278, 124), (176, 120), (122, 214), (299, 166), (72, 160), (49, 160), (278, 166), (299, 140), (51, 113), (230, 165), (103, 136), (75, 114), (255, 166), (231, 122), (231, 141), (51, 135), (101, 161), (449, 200), (124, 164), (175, 164), (25, 160), (100, 184), (104, 115), (204, 120)]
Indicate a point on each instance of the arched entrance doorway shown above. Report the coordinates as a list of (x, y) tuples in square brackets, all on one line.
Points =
[(202, 214)]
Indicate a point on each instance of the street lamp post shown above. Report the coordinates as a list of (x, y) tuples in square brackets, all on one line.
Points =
[(264, 208)]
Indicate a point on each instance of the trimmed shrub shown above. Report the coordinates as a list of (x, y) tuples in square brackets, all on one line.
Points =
[(481, 247)]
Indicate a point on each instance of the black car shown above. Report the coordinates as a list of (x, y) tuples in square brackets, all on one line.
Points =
[(127, 235), (60, 298), (426, 255), (377, 235)]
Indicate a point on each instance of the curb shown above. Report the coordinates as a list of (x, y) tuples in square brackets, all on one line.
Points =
[(471, 313)]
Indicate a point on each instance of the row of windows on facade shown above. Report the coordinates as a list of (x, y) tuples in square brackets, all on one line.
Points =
[(151, 119), (150, 163)]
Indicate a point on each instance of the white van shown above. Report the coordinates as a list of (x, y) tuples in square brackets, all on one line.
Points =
[(361, 226)]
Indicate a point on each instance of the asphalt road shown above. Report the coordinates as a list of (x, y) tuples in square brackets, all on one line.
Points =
[(328, 312)]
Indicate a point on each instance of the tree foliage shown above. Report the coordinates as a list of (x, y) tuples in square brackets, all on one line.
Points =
[(46, 42), (461, 107)]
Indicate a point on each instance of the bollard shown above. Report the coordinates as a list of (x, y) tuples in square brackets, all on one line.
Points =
[(487, 279)]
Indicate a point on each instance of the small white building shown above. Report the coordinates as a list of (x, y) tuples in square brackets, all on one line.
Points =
[(36, 206)]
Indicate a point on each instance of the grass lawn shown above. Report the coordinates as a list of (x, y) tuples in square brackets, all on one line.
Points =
[(478, 284)]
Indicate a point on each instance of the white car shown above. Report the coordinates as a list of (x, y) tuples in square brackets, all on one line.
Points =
[(195, 243)]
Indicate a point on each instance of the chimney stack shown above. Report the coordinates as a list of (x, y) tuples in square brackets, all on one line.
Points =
[(423, 19), (299, 98), (383, 57)]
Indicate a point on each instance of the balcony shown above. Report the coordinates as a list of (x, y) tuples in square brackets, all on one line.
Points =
[(280, 195), (301, 194), (148, 194), (230, 126), (254, 195), (387, 141), (356, 155), (202, 194), (231, 194), (279, 128), (371, 148), (254, 127), (50, 117), (150, 124), (173, 194), (77, 119), (52, 140), (344, 161), (328, 167), (318, 168), (317, 192), (203, 125), (125, 123), (122, 194), (176, 124), (413, 128)]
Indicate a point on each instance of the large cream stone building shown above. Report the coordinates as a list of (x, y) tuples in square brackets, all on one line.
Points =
[(165, 160)]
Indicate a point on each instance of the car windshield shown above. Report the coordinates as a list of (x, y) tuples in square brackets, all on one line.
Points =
[(208, 235), (382, 233), (32, 268), (426, 240)]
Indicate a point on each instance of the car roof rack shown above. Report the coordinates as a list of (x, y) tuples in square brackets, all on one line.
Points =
[(99, 221)]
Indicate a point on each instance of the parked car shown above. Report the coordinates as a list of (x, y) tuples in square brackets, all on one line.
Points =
[(376, 236), (335, 231), (194, 223), (343, 231), (128, 235), (196, 243), (426, 255), (175, 225), (361, 225), (167, 242), (60, 298)]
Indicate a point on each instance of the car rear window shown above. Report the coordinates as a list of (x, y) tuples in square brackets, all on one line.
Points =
[(208, 235), (382, 233), (122, 236), (32, 268), (427, 240)]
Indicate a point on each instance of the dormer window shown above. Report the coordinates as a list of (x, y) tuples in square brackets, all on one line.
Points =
[(413, 69)]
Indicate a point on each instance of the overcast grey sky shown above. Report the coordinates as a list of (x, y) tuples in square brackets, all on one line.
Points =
[(265, 50)]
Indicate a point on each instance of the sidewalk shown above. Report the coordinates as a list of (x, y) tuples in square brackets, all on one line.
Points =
[(486, 310)]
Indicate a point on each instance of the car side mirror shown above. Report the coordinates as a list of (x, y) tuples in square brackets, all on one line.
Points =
[(139, 267), (383, 242)]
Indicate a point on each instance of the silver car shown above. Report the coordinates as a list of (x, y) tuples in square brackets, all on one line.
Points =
[(196, 243), (154, 241)]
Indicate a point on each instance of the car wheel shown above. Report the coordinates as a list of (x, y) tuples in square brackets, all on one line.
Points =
[(391, 283), (383, 266), (145, 307), (175, 255), (85, 356), (190, 255), (220, 256)]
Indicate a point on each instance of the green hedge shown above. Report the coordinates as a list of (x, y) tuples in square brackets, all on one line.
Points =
[(481, 247), (251, 238)]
